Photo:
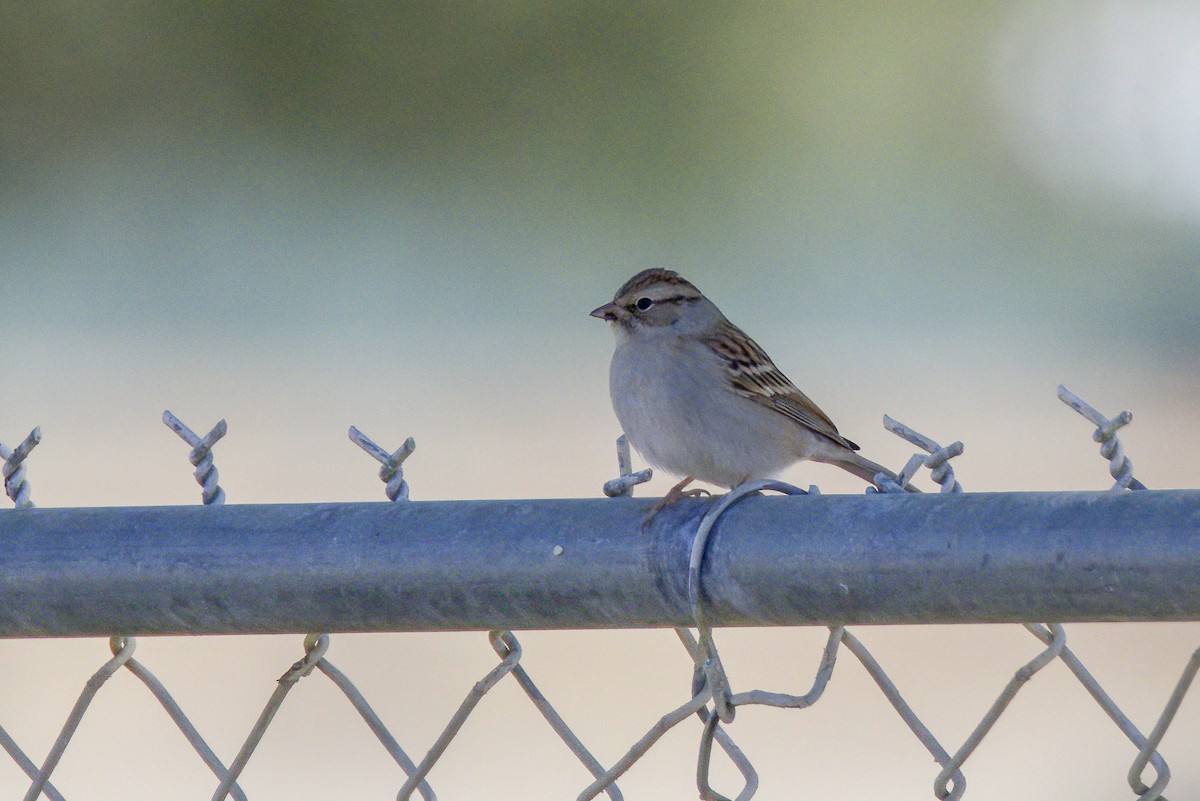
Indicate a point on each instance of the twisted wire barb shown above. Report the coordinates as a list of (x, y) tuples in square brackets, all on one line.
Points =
[(1119, 465), (885, 483), (623, 484), (201, 456), (1121, 469), (938, 460), (15, 484), (392, 472), (123, 647), (211, 495)]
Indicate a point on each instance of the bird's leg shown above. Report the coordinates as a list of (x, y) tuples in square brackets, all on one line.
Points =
[(676, 494)]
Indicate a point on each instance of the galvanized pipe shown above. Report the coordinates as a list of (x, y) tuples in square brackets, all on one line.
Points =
[(558, 564)]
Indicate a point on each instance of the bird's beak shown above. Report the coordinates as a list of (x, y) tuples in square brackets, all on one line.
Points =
[(608, 311)]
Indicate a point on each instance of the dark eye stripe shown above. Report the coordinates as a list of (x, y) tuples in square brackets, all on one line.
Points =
[(633, 307)]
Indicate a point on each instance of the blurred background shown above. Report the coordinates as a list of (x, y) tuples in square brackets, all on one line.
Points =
[(302, 216)]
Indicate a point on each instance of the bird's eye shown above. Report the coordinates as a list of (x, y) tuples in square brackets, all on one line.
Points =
[(643, 303)]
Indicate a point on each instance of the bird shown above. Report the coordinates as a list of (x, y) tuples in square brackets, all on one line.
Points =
[(700, 399)]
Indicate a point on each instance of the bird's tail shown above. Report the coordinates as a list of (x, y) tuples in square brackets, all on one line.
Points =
[(865, 469)]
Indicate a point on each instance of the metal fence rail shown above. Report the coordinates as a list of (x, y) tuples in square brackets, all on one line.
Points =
[(737, 560), (425, 566)]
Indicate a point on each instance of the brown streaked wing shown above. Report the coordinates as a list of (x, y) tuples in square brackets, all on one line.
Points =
[(753, 375)]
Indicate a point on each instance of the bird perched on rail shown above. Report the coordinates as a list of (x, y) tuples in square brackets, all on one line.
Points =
[(700, 399)]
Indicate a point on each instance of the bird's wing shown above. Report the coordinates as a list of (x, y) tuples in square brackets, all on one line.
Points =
[(753, 375)]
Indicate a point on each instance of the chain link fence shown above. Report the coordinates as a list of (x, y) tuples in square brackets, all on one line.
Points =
[(714, 698)]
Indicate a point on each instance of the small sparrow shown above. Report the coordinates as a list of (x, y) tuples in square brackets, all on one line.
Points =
[(700, 399)]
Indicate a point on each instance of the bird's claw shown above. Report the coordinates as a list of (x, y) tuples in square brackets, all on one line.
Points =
[(675, 495)]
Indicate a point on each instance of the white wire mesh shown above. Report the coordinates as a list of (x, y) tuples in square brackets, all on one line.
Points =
[(715, 698)]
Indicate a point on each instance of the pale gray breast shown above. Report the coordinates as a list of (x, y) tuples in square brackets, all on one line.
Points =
[(674, 401), (660, 364)]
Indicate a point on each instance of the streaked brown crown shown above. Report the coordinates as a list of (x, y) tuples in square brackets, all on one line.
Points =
[(653, 277)]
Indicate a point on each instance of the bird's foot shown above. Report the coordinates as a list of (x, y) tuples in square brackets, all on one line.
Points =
[(675, 495)]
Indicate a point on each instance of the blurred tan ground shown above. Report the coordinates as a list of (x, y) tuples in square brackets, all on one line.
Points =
[(300, 218)]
